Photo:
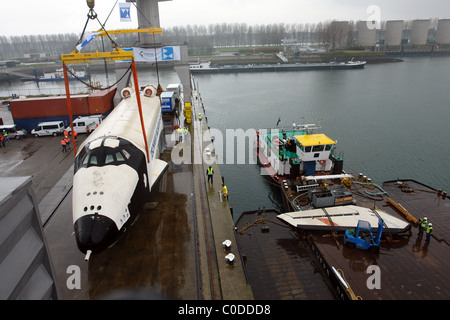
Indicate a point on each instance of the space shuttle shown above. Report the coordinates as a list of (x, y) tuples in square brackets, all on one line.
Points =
[(114, 171)]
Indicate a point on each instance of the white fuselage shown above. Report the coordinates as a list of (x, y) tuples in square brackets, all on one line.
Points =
[(113, 174)]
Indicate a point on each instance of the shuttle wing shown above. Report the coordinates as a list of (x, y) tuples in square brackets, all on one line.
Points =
[(159, 167)]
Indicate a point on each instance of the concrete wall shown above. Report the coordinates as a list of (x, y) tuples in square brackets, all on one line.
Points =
[(419, 31), (148, 16), (366, 36), (394, 29), (26, 270), (443, 31)]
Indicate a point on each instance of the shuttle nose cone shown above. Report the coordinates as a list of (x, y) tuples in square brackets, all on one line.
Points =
[(95, 232)]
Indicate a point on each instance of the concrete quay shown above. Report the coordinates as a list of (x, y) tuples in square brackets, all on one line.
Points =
[(230, 282)]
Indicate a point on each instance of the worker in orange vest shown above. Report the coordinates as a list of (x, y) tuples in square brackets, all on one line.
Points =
[(75, 134), (63, 144), (67, 139)]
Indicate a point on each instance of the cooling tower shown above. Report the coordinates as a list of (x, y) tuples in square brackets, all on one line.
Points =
[(419, 31), (394, 29), (443, 31), (366, 36)]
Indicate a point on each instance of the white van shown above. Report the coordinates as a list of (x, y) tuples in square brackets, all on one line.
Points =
[(80, 123), (51, 128)]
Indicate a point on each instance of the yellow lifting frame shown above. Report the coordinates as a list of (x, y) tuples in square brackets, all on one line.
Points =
[(77, 57), (115, 55), (151, 30)]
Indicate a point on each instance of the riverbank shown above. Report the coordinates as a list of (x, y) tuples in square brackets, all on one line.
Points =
[(337, 56)]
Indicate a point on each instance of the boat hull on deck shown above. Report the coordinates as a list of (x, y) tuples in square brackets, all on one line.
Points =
[(341, 218)]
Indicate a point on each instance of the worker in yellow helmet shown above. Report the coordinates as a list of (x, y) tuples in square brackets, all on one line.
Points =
[(225, 191), (429, 231)]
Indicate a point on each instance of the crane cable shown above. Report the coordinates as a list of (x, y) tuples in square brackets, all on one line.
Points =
[(99, 88), (92, 15)]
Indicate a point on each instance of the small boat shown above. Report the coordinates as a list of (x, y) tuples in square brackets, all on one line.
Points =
[(341, 218), (202, 67), (58, 75)]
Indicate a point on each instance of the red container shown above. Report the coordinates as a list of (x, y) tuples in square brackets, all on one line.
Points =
[(48, 107), (101, 102)]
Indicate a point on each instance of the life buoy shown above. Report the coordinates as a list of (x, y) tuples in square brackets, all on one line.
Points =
[(322, 162)]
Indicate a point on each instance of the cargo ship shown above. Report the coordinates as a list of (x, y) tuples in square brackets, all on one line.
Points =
[(206, 67)]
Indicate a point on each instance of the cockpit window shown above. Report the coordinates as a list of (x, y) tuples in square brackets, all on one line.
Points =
[(104, 152), (93, 160), (126, 154), (120, 157), (109, 159)]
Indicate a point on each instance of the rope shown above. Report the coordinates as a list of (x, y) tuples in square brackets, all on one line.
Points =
[(113, 43), (353, 296), (258, 221), (104, 23)]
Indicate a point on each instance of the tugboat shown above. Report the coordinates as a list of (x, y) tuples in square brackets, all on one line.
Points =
[(297, 152)]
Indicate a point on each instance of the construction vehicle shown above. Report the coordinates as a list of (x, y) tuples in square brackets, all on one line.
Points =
[(362, 237)]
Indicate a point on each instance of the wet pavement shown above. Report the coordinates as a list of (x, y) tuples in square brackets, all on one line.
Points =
[(155, 257), (40, 157)]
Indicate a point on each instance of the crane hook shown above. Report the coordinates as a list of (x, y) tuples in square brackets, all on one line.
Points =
[(90, 3), (92, 14)]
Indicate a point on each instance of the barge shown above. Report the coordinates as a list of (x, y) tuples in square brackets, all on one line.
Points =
[(319, 197), (206, 67)]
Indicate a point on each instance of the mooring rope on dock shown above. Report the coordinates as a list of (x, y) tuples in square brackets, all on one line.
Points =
[(340, 274), (258, 221)]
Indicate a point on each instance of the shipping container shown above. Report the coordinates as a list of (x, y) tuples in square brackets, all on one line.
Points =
[(28, 112), (46, 107), (101, 101)]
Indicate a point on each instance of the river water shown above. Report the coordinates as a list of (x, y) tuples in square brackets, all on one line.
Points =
[(390, 120)]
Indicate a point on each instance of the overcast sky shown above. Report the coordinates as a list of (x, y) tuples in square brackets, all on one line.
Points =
[(20, 17)]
